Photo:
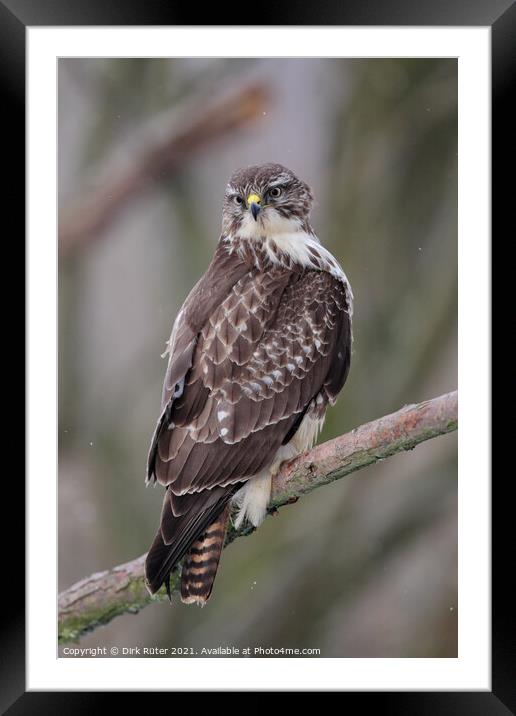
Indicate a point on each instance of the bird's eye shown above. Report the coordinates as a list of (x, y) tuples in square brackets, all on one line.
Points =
[(275, 192), (238, 199)]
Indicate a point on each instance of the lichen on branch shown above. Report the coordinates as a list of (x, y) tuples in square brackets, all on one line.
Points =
[(97, 599)]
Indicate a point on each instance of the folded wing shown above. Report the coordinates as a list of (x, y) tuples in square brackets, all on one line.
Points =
[(236, 388)]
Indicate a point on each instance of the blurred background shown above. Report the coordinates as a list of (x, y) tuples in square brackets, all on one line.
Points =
[(367, 566)]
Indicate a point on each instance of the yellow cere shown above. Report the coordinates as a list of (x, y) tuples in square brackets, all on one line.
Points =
[(253, 199)]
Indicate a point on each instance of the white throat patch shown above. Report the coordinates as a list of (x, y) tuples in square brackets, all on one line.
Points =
[(269, 223)]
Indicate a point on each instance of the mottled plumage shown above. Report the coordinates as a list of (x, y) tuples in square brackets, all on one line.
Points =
[(259, 349)]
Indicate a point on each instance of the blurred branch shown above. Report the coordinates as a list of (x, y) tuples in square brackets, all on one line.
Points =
[(97, 599), (179, 138)]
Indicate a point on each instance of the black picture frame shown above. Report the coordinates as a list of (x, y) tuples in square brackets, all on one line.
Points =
[(500, 15)]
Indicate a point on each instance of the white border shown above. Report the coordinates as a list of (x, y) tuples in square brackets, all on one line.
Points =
[(471, 670)]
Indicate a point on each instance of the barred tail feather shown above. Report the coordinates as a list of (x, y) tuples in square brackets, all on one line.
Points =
[(178, 532), (202, 561)]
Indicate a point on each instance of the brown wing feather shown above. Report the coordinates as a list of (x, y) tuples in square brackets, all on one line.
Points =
[(225, 269), (226, 406), (268, 345)]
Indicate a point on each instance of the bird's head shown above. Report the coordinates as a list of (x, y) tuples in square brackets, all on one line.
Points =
[(265, 200)]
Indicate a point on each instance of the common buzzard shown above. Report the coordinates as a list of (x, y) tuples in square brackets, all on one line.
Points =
[(258, 351)]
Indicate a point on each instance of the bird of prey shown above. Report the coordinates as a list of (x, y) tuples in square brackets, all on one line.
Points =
[(259, 349)]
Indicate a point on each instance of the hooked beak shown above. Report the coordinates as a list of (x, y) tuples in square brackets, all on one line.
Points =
[(253, 202)]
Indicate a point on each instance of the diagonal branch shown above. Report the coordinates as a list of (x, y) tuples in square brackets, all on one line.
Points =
[(167, 146), (99, 598)]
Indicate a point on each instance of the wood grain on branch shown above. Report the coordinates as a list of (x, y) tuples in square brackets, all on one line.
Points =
[(99, 598), (170, 143)]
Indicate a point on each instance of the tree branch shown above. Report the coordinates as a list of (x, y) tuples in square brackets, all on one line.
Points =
[(99, 598), (167, 144)]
